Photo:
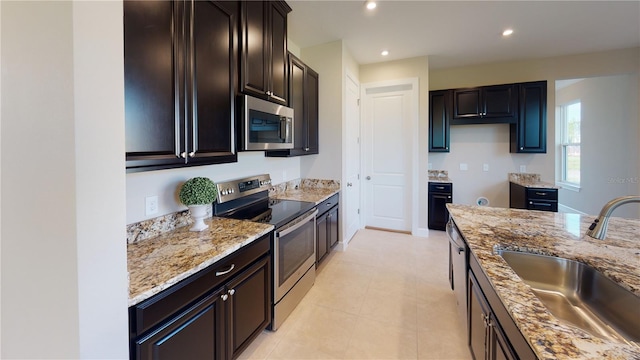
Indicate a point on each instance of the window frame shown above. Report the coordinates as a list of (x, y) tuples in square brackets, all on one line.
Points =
[(564, 144)]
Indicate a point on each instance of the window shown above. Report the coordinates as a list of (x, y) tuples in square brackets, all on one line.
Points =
[(570, 132)]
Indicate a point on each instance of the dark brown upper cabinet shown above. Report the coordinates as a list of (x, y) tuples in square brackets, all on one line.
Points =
[(303, 98), (263, 56), (180, 75), (439, 117), (529, 133), (485, 105)]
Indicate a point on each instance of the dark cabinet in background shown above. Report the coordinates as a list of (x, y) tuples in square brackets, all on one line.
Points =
[(529, 133), (533, 198), (179, 68), (439, 116), (303, 99), (440, 194), (263, 56), (485, 105), (327, 234)]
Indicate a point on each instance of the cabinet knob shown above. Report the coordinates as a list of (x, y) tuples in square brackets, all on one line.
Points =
[(192, 154), (522, 148), (306, 149), (269, 93), (183, 154), (231, 292), (224, 297)]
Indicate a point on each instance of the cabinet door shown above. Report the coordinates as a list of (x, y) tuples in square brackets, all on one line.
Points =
[(212, 91), (311, 90), (250, 300), (154, 83), (499, 101), (439, 115), (438, 214), (529, 135), (321, 238), (278, 52), (297, 103), (500, 348), (197, 333), (332, 227), (254, 49), (467, 103), (477, 319)]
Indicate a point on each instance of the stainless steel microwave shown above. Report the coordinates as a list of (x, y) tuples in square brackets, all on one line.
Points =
[(265, 125)]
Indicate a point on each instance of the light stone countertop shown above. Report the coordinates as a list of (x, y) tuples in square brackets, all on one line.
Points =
[(530, 181), (156, 264), (553, 234), (310, 190)]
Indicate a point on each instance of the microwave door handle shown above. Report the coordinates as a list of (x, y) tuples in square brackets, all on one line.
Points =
[(283, 128)]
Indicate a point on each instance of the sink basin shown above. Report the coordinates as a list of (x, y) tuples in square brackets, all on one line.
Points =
[(580, 295)]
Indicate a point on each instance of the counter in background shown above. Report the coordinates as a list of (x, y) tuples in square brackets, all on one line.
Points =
[(553, 234), (311, 190)]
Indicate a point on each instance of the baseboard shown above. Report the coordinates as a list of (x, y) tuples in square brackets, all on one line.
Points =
[(567, 209), (421, 232), (388, 230)]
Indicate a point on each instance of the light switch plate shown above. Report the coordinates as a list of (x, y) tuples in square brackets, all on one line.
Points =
[(151, 205), (464, 167)]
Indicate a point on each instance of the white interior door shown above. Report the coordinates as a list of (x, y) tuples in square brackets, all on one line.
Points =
[(351, 194), (389, 112)]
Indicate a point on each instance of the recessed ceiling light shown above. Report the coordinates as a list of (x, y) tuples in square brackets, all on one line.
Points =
[(507, 32), (384, 53), (371, 4)]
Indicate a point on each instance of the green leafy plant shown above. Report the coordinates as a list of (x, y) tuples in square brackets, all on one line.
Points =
[(198, 191)]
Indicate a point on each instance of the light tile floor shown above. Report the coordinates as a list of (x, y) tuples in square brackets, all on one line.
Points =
[(386, 297)]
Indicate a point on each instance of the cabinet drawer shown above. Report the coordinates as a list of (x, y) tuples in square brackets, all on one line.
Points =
[(328, 204), (542, 194), (151, 312), (542, 205), (440, 187)]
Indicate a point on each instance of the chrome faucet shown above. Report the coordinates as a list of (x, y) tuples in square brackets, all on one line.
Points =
[(598, 230)]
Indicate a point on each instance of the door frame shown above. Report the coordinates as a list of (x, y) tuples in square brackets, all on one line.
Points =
[(415, 121), (350, 76)]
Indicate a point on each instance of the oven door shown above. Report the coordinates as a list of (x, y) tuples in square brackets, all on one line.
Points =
[(294, 252)]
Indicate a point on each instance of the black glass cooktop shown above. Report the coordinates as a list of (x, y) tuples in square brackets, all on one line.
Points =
[(263, 209)]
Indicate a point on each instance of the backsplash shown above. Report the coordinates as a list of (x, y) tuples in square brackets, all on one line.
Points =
[(151, 228), (524, 177), (438, 173)]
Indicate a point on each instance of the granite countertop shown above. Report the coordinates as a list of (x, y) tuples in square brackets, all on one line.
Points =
[(530, 181), (440, 180), (157, 263), (554, 234), (315, 191), (439, 176)]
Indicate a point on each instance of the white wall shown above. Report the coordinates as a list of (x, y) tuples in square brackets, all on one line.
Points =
[(610, 165), (63, 251), (166, 183), (402, 69), (479, 144)]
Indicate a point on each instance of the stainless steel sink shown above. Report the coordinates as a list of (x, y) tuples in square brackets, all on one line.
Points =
[(580, 295)]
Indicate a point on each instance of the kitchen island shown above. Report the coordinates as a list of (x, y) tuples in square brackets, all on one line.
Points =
[(552, 234)]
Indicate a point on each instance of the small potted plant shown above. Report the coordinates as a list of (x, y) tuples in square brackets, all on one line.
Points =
[(196, 193)]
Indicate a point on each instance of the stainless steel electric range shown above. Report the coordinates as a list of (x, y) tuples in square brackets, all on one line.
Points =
[(293, 247)]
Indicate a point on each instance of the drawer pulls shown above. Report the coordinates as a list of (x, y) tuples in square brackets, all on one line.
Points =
[(220, 273), (539, 204), (541, 193)]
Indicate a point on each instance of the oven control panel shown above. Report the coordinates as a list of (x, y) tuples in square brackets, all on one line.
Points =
[(234, 189)]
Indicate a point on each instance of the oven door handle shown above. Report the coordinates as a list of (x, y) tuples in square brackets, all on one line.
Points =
[(298, 224)]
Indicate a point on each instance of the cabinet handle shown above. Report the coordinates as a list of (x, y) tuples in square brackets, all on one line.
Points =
[(224, 272), (183, 154), (224, 297), (522, 148), (192, 154), (541, 193), (269, 93), (306, 149), (231, 292), (328, 204), (440, 187), (448, 197)]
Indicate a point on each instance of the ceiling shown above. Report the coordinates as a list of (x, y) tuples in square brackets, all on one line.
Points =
[(461, 33)]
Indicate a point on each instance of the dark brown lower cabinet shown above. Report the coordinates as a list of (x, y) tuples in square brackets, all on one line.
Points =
[(215, 314), (327, 234), (492, 333)]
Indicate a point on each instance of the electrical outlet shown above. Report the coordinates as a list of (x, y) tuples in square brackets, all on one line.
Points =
[(523, 168), (485, 167), (151, 205), (464, 167)]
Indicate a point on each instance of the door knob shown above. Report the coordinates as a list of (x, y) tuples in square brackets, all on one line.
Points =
[(368, 178), (349, 184)]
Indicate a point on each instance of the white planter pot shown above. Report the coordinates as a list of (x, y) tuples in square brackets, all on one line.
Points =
[(198, 214)]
